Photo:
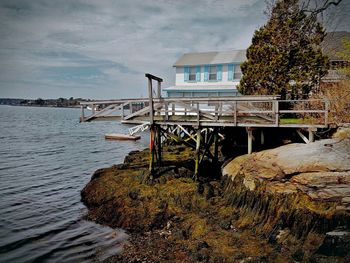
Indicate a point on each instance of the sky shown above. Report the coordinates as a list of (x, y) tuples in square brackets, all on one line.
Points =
[(101, 49)]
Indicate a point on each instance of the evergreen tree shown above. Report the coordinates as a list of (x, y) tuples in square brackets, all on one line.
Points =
[(285, 56)]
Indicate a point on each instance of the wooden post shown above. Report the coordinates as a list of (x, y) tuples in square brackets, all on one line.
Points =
[(198, 114), (216, 147), (250, 140), (216, 111), (159, 145), (93, 108), (198, 144), (311, 136), (166, 107), (262, 137), (82, 113), (173, 109), (235, 113), (159, 89), (150, 95), (151, 151), (276, 113), (326, 112), (130, 107)]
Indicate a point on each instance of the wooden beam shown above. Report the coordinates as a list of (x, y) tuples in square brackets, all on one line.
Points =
[(302, 136), (150, 76)]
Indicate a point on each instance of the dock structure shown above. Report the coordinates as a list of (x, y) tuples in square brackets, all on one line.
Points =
[(196, 121)]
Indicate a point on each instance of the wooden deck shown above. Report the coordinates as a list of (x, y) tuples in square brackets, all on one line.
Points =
[(240, 111), (197, 116)]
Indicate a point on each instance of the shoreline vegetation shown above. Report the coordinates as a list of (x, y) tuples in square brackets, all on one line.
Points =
[(59, 103), (286, 204)]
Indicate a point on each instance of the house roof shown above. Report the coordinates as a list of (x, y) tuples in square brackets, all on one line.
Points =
[(332, 44), (207, 58)]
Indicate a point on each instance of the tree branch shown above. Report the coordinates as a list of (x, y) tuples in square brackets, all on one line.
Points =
[(325, 6)]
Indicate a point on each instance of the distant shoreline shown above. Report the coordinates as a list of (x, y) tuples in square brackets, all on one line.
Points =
[(55, 103), (42, 106)]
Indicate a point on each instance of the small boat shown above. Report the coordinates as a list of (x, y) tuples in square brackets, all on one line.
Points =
[(122, 137)]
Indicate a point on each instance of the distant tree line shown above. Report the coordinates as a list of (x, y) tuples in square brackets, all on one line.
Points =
[(60, 102)]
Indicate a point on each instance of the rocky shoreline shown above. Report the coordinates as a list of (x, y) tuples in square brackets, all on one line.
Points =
[(288, 204)]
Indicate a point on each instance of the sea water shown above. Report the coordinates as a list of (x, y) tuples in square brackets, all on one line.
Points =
[(46, 158)]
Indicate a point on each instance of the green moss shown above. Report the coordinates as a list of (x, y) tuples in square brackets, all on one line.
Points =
[(235, 222)]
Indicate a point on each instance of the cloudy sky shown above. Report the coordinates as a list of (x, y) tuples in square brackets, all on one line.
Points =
[(102, 48)]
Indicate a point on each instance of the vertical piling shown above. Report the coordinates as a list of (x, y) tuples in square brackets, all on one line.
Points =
[(198, 144), (250, 140), (216, 147), (159, 146), (262, 137), (311, 136), (151, 151)]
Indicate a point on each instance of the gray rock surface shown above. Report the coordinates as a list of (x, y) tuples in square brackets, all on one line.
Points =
[(320, 169)]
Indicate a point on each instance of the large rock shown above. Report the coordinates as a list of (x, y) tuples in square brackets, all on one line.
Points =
[(320, 169), (297, 195)]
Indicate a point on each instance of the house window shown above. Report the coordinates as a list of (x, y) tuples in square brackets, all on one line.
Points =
[(212, 73), (192, 74), (237, 72)]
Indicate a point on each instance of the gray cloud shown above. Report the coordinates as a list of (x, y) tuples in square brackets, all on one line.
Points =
[(102, 48)]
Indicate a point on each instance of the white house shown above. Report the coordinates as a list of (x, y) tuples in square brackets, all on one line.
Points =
[(207, 74)]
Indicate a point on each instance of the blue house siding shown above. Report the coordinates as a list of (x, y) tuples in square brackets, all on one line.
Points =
[(218, 72), (203, 93), (198, 73), (230, 72)]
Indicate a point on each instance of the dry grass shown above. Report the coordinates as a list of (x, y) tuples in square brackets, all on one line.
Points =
[(338, 95)]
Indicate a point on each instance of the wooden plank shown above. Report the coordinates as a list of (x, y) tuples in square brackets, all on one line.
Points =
[(185, 99), (106, 102), (301, 111), (142, 111), (97, 114)]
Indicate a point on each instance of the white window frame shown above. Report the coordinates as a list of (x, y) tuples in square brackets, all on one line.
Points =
[(213, 73), (192, 73)]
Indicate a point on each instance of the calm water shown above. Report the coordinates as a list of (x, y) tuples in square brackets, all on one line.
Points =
[(46, 158)]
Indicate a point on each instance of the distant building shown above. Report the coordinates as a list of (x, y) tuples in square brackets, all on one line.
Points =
[(209, 74), (217, 74), (331, 46)]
